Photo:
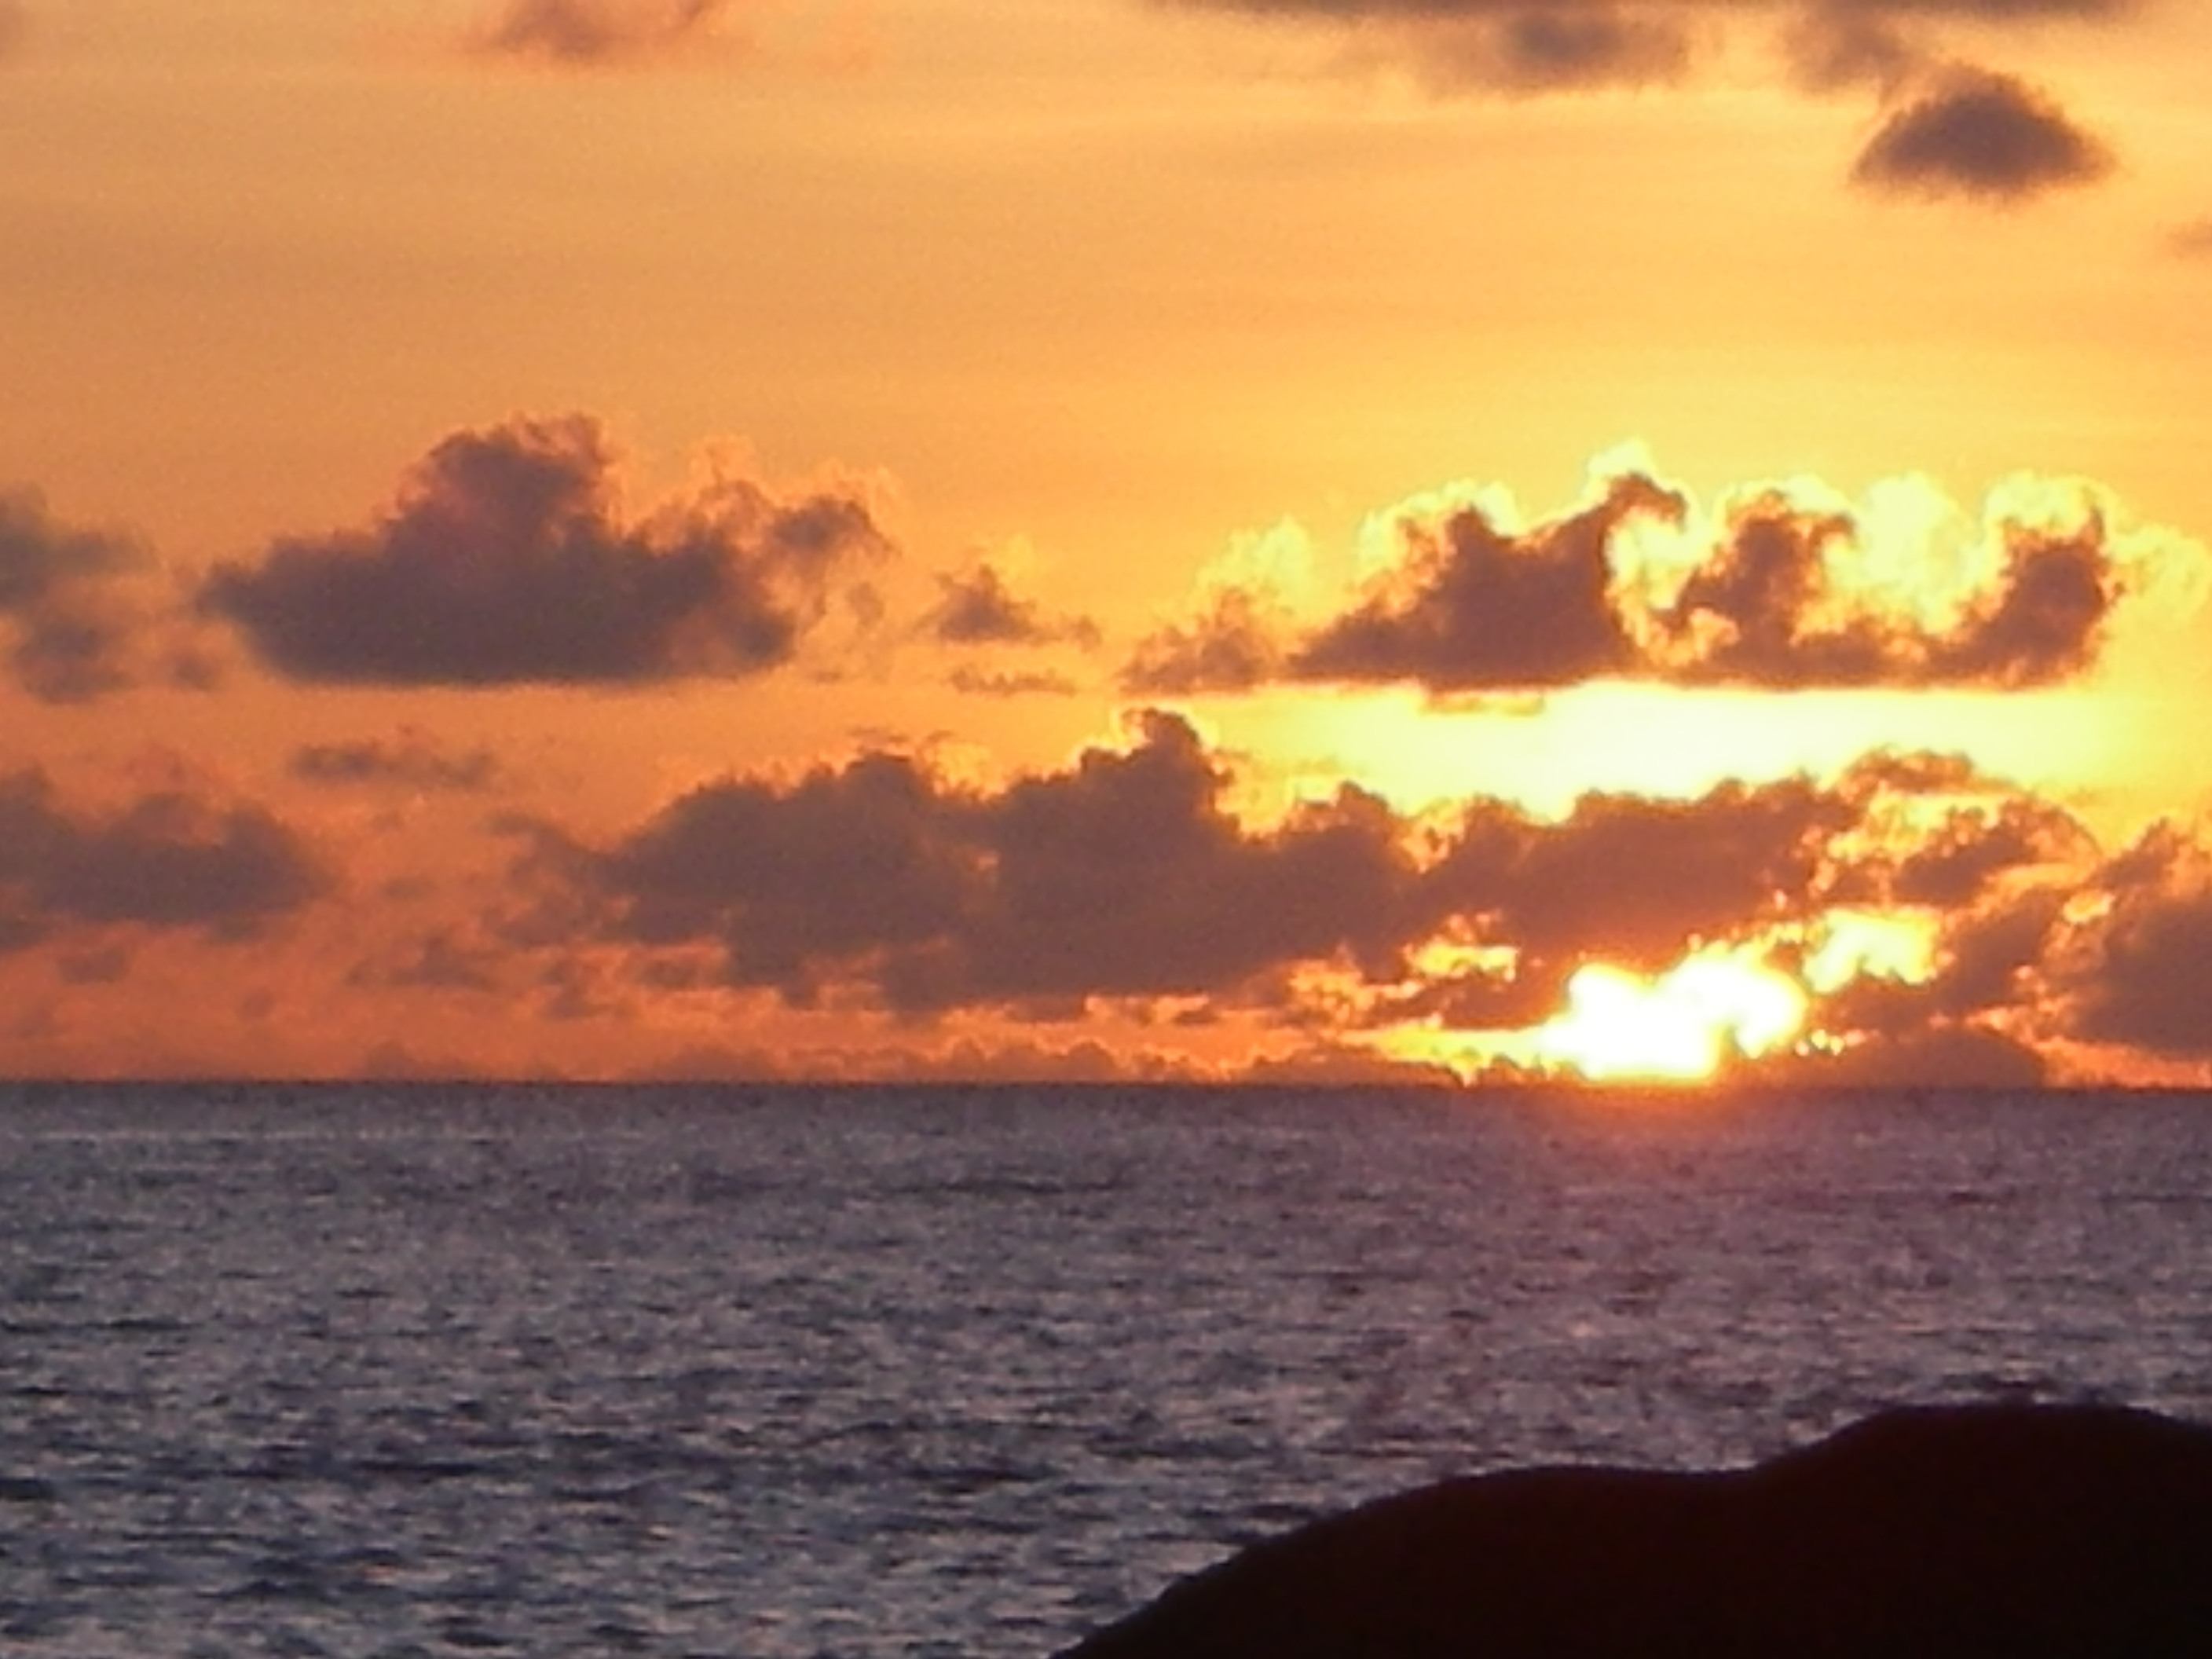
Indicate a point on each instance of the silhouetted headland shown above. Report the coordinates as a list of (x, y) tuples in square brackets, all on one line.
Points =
[(1983, 1532)]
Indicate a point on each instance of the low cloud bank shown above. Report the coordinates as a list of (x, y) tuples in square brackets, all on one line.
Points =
[(1127, 881)]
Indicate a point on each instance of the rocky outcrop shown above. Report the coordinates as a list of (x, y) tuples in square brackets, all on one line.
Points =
[(1998, 1532)]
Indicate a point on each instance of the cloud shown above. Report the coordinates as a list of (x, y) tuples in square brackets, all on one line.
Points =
[(973, 682), (1985, 961), (1584, 37), (507, 560), (1123, 882), (169, 859), (1525, 46), (592, 33), (849, 864), (1984, 137), (1636, 882), (1969, 850), (1472, 609), (1770, 605), (15, 28), (1239, 644), (1544, 49), (2040, 933), (70, 607), (1779, 593), (409, 761), (441, 960), (2192, 240), (1979, 134), (1943, 1055), (979, 606), (2134, 972), (1125, 875)]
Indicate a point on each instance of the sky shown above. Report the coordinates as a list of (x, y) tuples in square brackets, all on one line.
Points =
[(1282, 539)]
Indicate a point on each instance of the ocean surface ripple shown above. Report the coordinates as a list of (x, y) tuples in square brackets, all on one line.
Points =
[(383, 1370)]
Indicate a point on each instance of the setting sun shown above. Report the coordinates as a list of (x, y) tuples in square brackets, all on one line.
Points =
[(1681, 1026)]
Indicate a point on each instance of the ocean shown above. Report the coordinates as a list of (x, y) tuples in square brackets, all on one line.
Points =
[(399, 1371)]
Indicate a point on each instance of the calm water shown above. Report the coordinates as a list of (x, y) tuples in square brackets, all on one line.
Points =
[(386, 1372)]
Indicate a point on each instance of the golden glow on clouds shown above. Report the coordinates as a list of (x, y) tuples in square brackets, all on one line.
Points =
[(1849, 944)]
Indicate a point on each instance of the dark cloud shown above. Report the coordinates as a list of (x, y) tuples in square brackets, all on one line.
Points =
[(1597, 31), (1947, 1055), (2134, 971), (1466, 1000), (971, 681), (979, 606), (1743, 614), (1472, 609), (1538, 48), (845, 868), (1984, 137), (1772, 606), (409, 761), (506, 559), (1123, 877), (1992, 11), (441, 960), (1958, 861), (1829, 48), (1239, 644), (1986, 960), (1978, 134), (1602, 45), (1325, 1064), (590, 34), (67, 604), (1988, 868), (2047, 936), (1636, 881), (1777, 600), (1128, 876), (168, 861)]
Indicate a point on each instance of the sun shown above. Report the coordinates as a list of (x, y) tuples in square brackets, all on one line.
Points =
[(1681, 1026)]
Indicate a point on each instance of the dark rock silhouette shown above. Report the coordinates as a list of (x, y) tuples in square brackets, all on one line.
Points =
[(1988, 1532)]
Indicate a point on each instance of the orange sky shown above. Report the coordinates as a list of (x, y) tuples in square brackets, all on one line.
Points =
[(1159, 536)]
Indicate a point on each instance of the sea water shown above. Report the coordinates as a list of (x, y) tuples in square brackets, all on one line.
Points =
[(385, 1371)]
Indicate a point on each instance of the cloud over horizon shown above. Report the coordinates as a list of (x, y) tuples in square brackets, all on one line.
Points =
[(1125, 880), (1125, 875), (508, 558)]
